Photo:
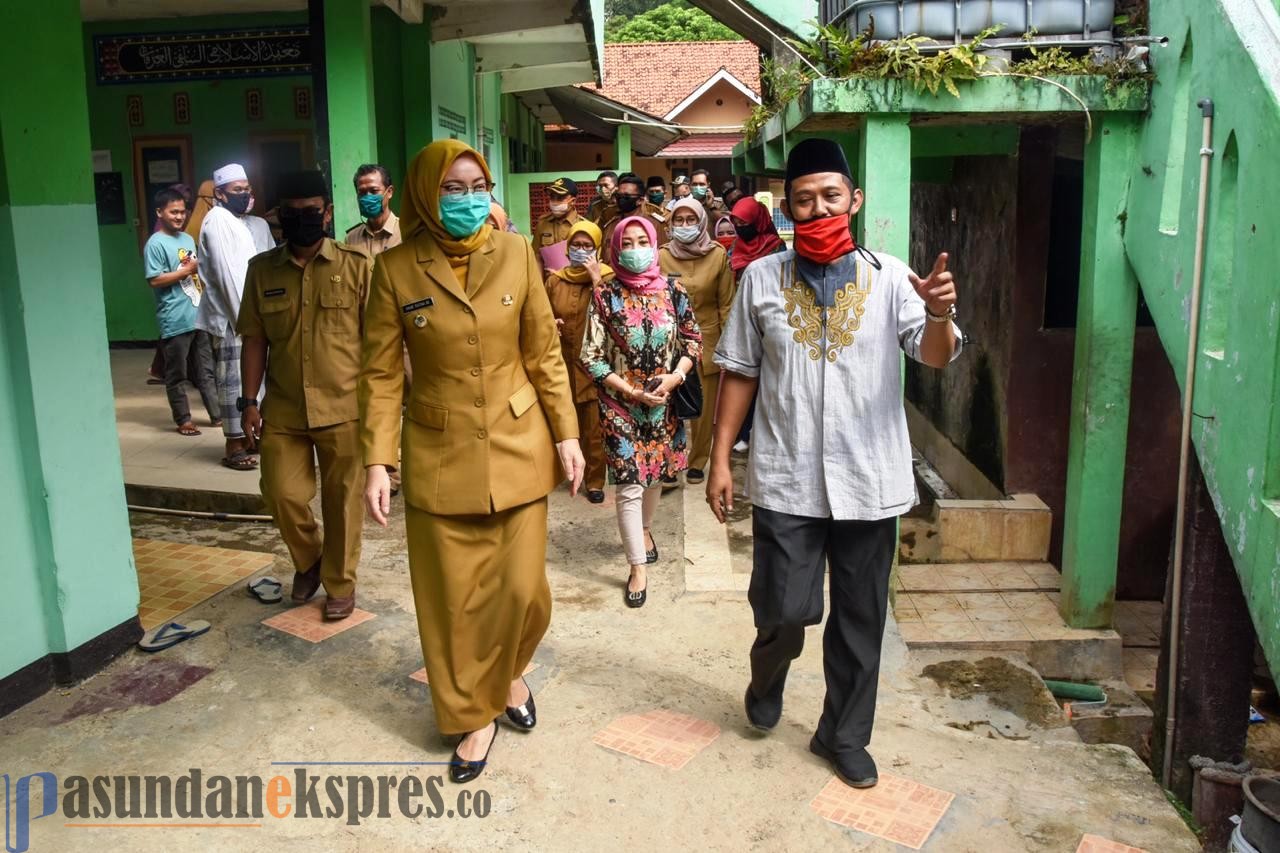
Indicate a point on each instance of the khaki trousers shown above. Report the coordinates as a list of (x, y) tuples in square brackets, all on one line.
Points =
[(483, 602), (592, 442), (701, 429), (289, 485)]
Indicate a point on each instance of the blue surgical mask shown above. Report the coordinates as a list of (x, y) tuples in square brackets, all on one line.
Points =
[(699, 193), (464, 214), (370, 205), (636, 260), (579, 257), (686, 233)]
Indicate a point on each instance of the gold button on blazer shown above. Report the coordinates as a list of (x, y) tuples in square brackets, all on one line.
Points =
[(490, 394)]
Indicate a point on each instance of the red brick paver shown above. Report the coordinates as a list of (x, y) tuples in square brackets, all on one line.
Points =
[(666, 738), (897, 809), (308, 622)]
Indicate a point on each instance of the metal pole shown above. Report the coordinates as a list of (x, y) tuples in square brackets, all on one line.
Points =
[(1184, 453)]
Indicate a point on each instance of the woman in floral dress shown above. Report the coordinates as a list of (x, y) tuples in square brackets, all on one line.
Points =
[(641, 341)]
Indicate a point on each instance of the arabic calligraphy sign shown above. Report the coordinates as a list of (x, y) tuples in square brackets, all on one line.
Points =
[(165, 57)]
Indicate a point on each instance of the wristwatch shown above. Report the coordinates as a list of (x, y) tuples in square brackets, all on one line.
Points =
[(243, 403), (940, 318)]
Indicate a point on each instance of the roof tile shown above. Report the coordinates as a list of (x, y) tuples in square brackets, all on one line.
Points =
[(656, 76)]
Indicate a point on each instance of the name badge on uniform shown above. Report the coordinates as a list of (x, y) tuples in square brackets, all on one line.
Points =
[(275, 291), (421, 303)]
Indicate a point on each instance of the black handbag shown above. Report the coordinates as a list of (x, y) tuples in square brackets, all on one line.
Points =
[(686, 399)]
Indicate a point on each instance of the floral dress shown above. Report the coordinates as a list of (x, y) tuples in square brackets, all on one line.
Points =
[(638, 336)]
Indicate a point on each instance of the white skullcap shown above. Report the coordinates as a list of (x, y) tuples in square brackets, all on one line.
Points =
[(229, 173)]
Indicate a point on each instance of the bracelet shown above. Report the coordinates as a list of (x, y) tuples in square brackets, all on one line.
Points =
[(681, 374)]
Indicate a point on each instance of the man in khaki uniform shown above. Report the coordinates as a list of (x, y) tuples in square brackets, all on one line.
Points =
[(700, 181), (628, 200), (605, 185), (304, 307), (380, 229), (553, 227)]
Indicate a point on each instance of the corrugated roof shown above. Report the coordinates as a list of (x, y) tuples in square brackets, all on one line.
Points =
[(702, 145), (655, 76)]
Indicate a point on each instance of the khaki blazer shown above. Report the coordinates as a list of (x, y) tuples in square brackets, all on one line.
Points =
[(490, 394), (709, 281)]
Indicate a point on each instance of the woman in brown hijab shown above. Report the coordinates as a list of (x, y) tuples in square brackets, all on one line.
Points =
[(489, 430)]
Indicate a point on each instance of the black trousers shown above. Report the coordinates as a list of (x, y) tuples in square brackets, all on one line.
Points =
[(791, 552), (189, 357)]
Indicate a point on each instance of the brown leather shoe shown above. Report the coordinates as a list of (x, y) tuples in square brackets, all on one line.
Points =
[(305, 584), (339, 608)]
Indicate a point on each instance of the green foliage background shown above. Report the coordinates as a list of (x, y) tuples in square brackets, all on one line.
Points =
[(654, 20)]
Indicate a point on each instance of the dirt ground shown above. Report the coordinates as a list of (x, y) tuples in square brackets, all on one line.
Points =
[(245, 699)]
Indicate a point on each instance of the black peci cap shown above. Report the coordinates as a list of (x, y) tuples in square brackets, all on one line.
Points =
[(811, 156)]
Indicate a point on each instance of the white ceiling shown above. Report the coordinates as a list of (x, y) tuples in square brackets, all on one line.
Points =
[(124, 10)]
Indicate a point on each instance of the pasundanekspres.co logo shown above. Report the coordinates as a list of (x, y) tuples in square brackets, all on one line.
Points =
[(194, 799)]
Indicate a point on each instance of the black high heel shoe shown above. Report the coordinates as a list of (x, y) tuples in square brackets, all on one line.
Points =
[(461, 770), (524, 716)]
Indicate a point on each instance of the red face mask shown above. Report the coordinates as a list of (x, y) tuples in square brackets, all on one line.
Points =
[(726, 240), (824, 239)]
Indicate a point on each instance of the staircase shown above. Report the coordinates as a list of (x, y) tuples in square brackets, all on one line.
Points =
[(973, 576)]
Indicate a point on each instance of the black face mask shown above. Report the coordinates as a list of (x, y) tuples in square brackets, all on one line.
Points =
[(626, 203), (747, 232), (237, 203), (302, 227)]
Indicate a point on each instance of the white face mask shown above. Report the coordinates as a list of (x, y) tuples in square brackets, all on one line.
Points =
[(559, 209), (579, 257), (686, 233)]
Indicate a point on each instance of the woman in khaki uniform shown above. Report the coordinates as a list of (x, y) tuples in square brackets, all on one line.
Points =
[(570, 291), (703, 267), (489, 409)]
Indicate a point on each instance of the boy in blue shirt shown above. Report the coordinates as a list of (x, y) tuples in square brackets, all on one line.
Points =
[(171, 266)]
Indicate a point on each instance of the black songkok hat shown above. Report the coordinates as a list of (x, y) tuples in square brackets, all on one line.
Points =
[(308, 184), (656, 181), (811, 156)]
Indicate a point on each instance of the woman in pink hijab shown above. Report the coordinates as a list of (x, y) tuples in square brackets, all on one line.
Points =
[(641, 342)]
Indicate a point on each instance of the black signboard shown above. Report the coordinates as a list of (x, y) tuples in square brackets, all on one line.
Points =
[(166, 57), (108, 191)]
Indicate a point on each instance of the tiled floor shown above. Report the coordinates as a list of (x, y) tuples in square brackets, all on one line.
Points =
[(1098, 844), (173, 576), (979, 577), (897, 809), (982, 616), (421, 675), (1139, 624), (666, 738), (308, 623)]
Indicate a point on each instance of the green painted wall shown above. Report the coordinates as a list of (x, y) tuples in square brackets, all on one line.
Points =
[(68, 560), (453, 89), (1237, 396), (388, 90), (349, 83), (219, 134)]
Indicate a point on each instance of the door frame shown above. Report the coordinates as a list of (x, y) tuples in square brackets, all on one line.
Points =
[(181, 141)]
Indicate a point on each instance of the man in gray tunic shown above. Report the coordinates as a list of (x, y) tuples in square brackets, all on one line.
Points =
[(819, 330)]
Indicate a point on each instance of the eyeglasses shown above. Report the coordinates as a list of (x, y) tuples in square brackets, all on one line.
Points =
[(459, 189)]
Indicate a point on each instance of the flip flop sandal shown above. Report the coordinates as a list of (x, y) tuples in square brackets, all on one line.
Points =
[(267, 590), (189, 430), (241, 460), (170, 634)]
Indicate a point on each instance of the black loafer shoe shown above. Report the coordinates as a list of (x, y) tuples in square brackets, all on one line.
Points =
[(856, 769), (525, 716), (763, 714), (595, 496), (635, 599), (651, 556), (461, 770), (694, 475)]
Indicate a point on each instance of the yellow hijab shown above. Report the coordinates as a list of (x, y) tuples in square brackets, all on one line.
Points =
[(204, 202), (579, 275), (420, 209)]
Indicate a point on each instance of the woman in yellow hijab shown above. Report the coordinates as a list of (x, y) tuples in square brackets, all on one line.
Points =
[(489, 430), (570, 291)]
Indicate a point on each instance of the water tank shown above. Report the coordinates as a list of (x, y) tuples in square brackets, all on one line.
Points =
[(949, 19)]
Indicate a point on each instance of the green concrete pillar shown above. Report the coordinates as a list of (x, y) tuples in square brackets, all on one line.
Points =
[(622, 148), (68, 566), (353, 135), (415, 58), (884, 173), (1101, 380)]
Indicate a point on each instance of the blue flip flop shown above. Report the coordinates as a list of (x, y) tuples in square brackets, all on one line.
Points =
[(170, 634), (268, 590)]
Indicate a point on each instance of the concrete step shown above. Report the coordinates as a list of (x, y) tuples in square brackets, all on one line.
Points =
[(1018, 622), (1125, 719), (979, 577)]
